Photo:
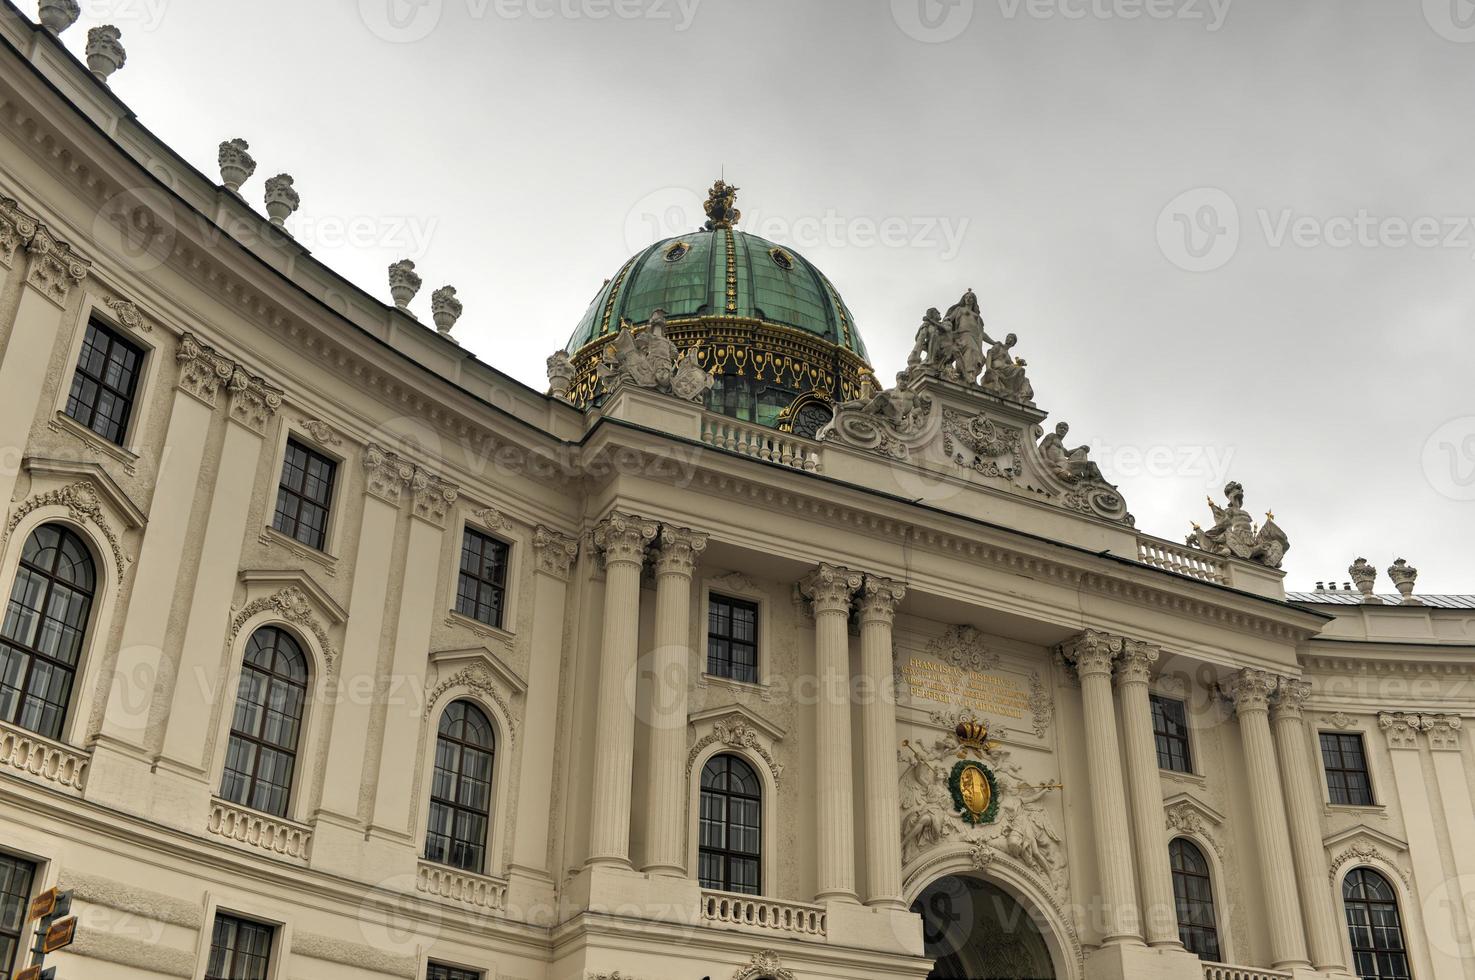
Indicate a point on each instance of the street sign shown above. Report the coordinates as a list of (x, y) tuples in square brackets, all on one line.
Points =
[(29, 973), (60, 934), (45, 903)]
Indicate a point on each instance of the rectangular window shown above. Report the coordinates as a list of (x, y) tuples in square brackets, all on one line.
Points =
[(239, 949), (732, 639), (304, 496), (106, 380), (439, 972), (1170, 729), (1347, 780), (16, 878), (481, 590)]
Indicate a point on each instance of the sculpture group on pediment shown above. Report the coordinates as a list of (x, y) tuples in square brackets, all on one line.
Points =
[(956, 347), (889, 422), (1234, 533), (648, 359)]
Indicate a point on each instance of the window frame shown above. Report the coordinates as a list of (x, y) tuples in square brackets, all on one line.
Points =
[(1160, 736), (1208, 877), (488, 853), (1327, 770), (27, 928), (330, 505), (273, 942), (87, 629), (713, 597), (1397, 904), (727, 853), (453, 972), (94, 312), (509, 549), (303, 730)]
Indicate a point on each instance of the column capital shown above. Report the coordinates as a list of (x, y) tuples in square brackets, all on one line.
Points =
[(387, 473), (1401, 728), (54, 267), (679, 550), (555, 552), (622, 538), (202, 369), (16, 229), (1290, 698), (252, 401), (1250, 689), (1443, 732), (879, 598), (1090, 652), (1134, 665), (829, 588), (432, 497)]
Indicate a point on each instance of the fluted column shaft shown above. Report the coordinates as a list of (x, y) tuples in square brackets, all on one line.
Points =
[(879, 599), (1092, 654), (1144, 785), (829, 589), (1300, 779), (1251, 691), (670, 664), (622, 540)]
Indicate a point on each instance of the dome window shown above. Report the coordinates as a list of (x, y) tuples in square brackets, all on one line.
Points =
[(677, 252), (782, 259)]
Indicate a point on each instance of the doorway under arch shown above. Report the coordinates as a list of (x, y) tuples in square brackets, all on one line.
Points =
[(975, 930)]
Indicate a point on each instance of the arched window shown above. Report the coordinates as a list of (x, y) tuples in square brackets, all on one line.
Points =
[(262, 756), (45, 624), (731, 826), (461, 792), (1193, 894), (1373, 923)]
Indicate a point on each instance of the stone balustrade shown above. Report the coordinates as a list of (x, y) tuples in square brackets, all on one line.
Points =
[(477, 891), (1182, 560), (262, 831), (43, 759), (764, 915), (721, 432), (1223, 971)]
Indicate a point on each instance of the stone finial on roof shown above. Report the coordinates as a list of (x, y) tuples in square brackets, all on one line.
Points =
[(1404, 575), (281, 199), (404, 283), (445, 308), (1364, 575), (105, 53), (236, 165), (57, 15), (560, 375)]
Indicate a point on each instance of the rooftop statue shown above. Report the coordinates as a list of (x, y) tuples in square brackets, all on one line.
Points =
[(966, 337), (721, 206), (648, 359), (957, 348), (1071, 465), (1004, 374), (889, 422), (1234, 534)]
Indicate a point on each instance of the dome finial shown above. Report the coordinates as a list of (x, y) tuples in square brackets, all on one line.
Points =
[(721, 212)]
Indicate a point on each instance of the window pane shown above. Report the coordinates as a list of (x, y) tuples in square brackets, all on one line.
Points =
[(261, 756), (731, 834), (732, 639), (239, 949), (461, 789), (304, 495), (103, 386), (482, 584)]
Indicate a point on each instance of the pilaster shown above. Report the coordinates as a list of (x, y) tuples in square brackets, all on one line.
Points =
[(879, 598)]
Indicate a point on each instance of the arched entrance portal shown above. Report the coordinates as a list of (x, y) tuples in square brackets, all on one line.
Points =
[(977, 931)]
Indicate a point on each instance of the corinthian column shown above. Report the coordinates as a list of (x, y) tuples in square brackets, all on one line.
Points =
[(878, 602), (1301, 781), (670, 663), (1092, 654), (1251, 690), (1160, 919), (622, 540), (829, 589)]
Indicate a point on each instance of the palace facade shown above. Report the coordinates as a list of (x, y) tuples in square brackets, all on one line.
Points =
[(332, 652)]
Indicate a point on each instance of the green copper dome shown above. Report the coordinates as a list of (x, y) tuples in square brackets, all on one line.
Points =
[(721, 273)]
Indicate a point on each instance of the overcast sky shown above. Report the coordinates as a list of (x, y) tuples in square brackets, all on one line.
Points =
[(1234, 238)]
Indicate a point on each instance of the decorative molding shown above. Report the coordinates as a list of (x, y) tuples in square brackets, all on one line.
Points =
[(1363, 846), (387, 474), (16, 229), (126, 896), (555, 552), (93, 443), (481, 679), (1401, 728), (292, 605), (493, 519), (1250, 690), (253, 402), (331, 949), (679, 550), (1340, 720), (733, 730), (83, 505), (1041, 704), (202, 370), (432, 497), (129, 315), (1443, 732), (1185, 815), (734, 582), (623, 538), (1090, 652), (477, 891), (54, 267), (321, 432), (275, 835), (829, 588), (1134, 665), (44, 760), (765, 965), (878, 598)]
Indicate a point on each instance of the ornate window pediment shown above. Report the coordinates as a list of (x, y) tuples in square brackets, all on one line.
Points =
[(90, 496), (738, 727), (291, 595), (1195, 818), (1363, 845), (480, 670)]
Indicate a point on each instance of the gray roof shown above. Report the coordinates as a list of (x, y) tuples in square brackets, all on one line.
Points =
[(1344, 598)]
